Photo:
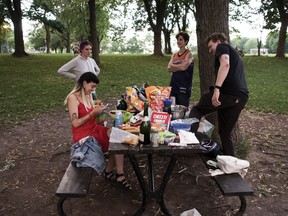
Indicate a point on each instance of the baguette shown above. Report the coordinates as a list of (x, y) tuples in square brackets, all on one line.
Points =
[(129, 128)]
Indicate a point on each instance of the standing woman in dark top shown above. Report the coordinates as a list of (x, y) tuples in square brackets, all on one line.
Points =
[(229, 94), (181, 67)]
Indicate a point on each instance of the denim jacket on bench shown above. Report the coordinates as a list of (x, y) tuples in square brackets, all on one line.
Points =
[(88, 154)]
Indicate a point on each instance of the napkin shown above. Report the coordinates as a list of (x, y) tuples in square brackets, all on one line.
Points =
[(187, 137), (177, 144)]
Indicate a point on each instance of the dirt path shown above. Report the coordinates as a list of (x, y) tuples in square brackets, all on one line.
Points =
[(39, 150)]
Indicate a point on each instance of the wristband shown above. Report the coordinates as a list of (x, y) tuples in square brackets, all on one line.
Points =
[(217, 87)]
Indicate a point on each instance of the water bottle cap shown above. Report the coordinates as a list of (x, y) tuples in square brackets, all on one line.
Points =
[(167, 101)]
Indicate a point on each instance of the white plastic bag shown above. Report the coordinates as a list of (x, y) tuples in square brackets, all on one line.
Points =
[(120, 136), (206, 127), (191, 212), (228, 164)]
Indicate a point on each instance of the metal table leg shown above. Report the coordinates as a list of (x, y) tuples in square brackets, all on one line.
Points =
[(164, 182), (60, 206), (242, 208), (149, 192), (142, 183)]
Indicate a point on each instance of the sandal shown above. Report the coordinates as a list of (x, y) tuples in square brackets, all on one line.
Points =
[(111, 176), (123, 183)]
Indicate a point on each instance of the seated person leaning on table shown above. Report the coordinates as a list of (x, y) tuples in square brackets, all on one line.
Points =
[(82, 115)]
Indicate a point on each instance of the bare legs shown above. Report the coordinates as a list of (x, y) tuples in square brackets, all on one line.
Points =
[(117, 160)]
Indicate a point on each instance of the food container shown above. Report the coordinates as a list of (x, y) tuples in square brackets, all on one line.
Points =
[(178, 111), (113, 113)]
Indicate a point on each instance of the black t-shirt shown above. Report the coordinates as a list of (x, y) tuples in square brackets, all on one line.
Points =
[(235, 82)]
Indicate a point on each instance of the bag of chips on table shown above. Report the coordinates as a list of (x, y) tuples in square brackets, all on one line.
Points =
[(132, 100), (156, 96)]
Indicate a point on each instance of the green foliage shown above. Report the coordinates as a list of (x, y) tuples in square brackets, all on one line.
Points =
[(271, 15), (250, 44), (132, 46), (37, 38), (239, 43), (31, 85), (272, 42)]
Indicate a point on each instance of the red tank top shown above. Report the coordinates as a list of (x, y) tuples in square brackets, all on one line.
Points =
[(90, 128)]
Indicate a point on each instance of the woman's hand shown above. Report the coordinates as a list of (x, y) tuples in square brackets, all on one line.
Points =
[(98, 110)]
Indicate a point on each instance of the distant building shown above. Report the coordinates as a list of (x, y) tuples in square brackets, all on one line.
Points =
[(263, 51)]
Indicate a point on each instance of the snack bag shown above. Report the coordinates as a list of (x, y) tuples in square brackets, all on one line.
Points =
[(132, 99), (156, 96)]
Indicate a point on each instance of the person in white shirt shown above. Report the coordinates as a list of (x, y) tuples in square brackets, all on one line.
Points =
[(81, 64)]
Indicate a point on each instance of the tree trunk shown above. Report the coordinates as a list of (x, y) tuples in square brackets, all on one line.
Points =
[(282, 39), (93, 31), (211, 16), (157, 28), (259, 44), (157, 42), (48, 38), (208, 21), (167, 40), (68, 43), (16, 17), (283, 29)]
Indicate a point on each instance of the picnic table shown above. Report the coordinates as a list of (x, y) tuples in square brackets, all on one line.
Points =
[(76, 181)]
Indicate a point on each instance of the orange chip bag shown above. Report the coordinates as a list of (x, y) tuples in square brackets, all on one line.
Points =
[(133, 100), (156, 96)]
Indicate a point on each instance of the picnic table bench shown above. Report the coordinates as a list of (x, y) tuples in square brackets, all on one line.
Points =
[(74, 184), (231, 185)]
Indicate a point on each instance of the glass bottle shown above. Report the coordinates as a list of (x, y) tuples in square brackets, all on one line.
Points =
[(145, 127)]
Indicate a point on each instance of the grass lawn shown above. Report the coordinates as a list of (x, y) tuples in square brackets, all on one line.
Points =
[(32, 85)]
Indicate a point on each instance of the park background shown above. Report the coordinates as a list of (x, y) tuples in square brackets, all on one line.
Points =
[(35, 131)]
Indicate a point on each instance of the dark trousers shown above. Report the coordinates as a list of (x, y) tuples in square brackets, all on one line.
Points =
[(181, 99), (228, 114)]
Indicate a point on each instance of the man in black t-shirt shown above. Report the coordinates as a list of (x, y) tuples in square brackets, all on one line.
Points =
[(229, 94)]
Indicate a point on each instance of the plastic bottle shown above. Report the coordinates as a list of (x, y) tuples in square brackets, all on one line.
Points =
[(118, 119), (167, 105), (154, 137)]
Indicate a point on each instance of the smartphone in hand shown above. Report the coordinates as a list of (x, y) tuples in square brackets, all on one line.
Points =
[(104, 106)]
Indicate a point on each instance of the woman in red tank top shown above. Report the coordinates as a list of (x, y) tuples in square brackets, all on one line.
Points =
[(82, 115)]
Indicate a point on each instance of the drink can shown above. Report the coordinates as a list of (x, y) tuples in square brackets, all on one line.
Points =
[(118, 119)]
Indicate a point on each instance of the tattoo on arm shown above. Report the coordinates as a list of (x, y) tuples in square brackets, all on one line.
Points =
[(74, 116)]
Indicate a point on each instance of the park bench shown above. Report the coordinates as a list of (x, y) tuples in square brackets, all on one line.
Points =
[(231, 185), (74, 184)]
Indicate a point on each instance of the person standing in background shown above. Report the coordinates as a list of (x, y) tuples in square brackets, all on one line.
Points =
[(81, 64), (229, 94), (181, 66)]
